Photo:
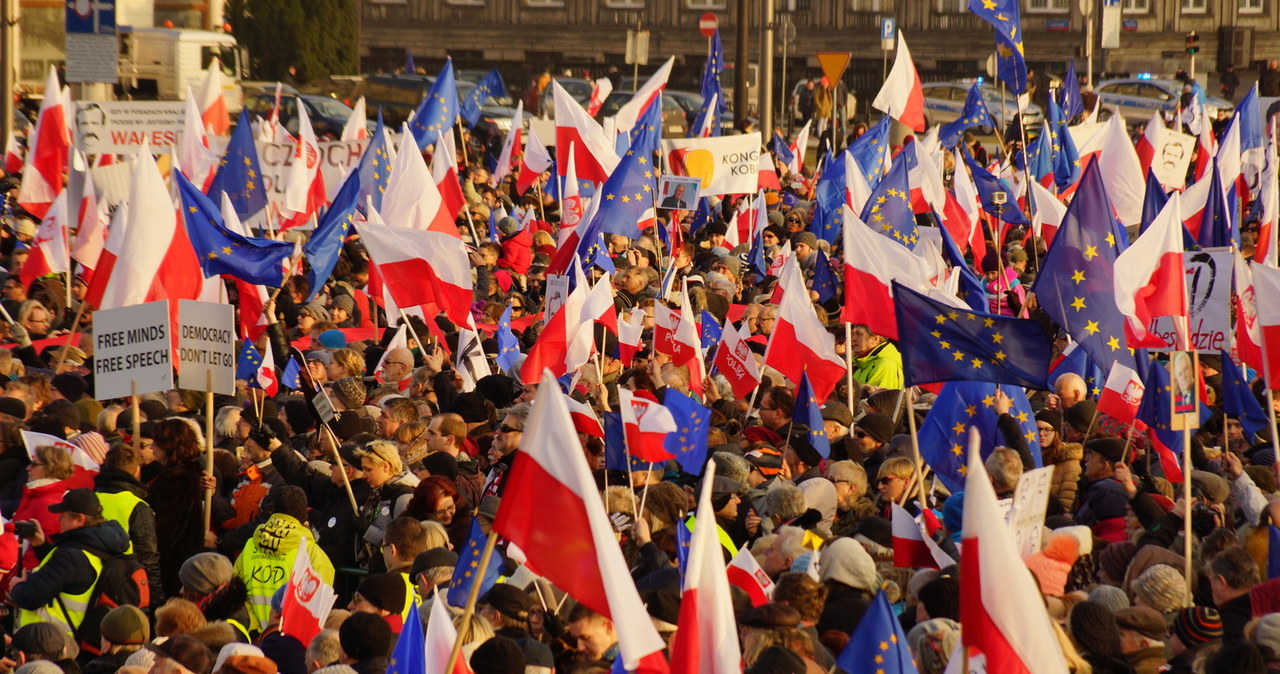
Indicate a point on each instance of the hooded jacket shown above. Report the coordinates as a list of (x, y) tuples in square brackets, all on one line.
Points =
[(267, 562), (850, 574), (141, 523), (66, 570)]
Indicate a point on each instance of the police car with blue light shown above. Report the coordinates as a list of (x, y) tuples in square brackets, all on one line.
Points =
[(1137, 97)]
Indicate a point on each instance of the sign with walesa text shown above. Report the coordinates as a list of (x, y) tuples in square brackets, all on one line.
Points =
[(132, 345), (206, 347)]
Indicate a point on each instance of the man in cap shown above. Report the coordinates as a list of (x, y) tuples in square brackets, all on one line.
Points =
[(431, 573), (871, 436), (67, 573), (257, 473), (836, 420), (366, 642), (42, 641), (181, 654), (801, 461), (124, 631), (1194, 630), (381, 594), (318, 365), (1142, 634), (1103, 502), (205, 574), (507, 608)]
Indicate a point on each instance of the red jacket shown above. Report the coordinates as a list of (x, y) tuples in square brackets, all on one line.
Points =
[(35, 506), (517, 252)]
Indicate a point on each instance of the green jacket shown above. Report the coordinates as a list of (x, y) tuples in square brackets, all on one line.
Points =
[(267, 562), (881, 367)]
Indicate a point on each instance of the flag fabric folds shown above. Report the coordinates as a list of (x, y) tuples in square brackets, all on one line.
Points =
[(962, 406), (222, 251), (1011, 61), (490, 86), (469, 565), (878, 644)]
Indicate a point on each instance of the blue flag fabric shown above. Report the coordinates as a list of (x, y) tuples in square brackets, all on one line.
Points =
[(1157, 404), (1005, 17), (1249, 117), (972, 288), (410, 654), (878, 644), (291, 378), (1069, 98), (689, 442), (490, 86), (248, 363), (592, 249), (374, 169), (1076, 360), (1238, 399), (238, 172), (702, 216), (711, 330), (1216, 224), (809, 413), (755, 258), (409, 66), (975, 113), (869, 150), (222, 251), (1066, 158), (1153, 202), (684, 539), (325, 245), (1273, 552), (508, 345), (888, 211), (780, 148), (469, 559), (828, 209), (944, 435), (824, 280), (630, 189), (988, 185), (949, 344), (710, 88), (1075, 285), (438, 111), (615, 445)]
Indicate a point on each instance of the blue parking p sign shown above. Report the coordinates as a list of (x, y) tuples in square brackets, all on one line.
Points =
[(95, 17), (888, 28)]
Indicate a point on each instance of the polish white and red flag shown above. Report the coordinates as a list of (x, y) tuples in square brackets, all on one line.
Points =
[(580, 554), (304, 191), (799, 342), (49, 253), (646, 425), (734, 360), (307, 598), (600, 90), (1000, 606), (214, 116), (901, 96), (745, 573), (650, 93), (871, 263), (630, 332), (1151, 139), (91, 230), (265, 378), (12, 155), (1122, 394), (48, 147), (1149, 281), (534, 161), (509, 145), (577, 131), (357, 127), (706, 638), (584, 419), (444, 171), (1266, 293), (912, 545)]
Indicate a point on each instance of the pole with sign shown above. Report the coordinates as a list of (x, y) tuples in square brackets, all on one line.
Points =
[(888, 29), (91, 41), (206, 360), (833, 64)]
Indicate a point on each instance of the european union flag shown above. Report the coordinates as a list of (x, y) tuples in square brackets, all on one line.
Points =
[(249, 361), (988, 185), (878, 644), (1075, 360), (1216, 224), (410, 654), (869, 149), (975, 113), (689, 442), (1249, 117), (710, 88), (824, 280), (711, 330), (1011, 61), (490, 86), (828, 211), (238, 173), (1075, 285), (1069, 95), (1153, 202), (646, 135), (1273, 552), (374, 168), (591, 246), (1037, 159), (1238, 398), (888, 211), (1156, 407), (630, 189), (615, 445), (222, 251), (780, 148), (809, 413), (438, 111), (684, 539), (972, 288), (325, 245), (949, 344), (755, 258), (702, 216), (468, 569), (508, 345), (409, 66), (1066, 159), (291, 377), (963, 405)]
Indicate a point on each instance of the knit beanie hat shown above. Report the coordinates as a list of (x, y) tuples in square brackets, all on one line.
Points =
[(344, 302), (1083, 536), (1110, 596), (350, 391), (1197, 625), (1094, 627), (1080, 415), (941, 597), (365, 636), (1162, 588), (384, 590), (846, 561), (1052, 564), (932, 642), (498, 655), (1114, 559), (1051, 417)]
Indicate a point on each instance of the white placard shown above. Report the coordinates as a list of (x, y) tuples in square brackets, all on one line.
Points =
[(1030, 501), (206, 345), (121, 127), (1209, 297), (557, 291), (1172, 157), (337, 159), (132, 344), (724, 165)]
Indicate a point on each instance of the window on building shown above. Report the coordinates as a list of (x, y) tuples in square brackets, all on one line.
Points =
[(465, 3), (1137, 6), (1049, 6), (952, 6), (706, 4), (624, 4), (1252, 6), (544, 3), (870, 5), (1195, 6)]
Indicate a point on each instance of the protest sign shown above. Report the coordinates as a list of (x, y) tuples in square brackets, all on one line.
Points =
[(131, 345), (207, 346), (723, 165)]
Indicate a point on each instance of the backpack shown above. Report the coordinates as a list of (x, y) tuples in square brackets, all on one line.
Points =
[(122, 581)]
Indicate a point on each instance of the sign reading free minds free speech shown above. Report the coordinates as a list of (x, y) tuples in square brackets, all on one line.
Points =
[(132, 345)]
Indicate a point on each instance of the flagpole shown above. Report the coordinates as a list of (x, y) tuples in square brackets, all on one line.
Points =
[(1186, 482), (472, 596), (466, 209), (208, 441), (62, 357), (848, 364), (537, 190), (333, 437), (1271, 418), (137, 416), (644, 496), (405, 317), (915, 443)]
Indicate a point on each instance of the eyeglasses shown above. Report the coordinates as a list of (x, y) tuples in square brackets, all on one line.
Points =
[(859, 433), (887, 479), (768, 409), (37, 464), (508, 429), (396, 362), (446, 511), (1045, 429)]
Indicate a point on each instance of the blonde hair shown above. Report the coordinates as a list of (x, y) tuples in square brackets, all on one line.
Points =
[(478, 630), (56, 460), (178, 616), (350, 361), (384, 451), (898, 466), (437, 536)]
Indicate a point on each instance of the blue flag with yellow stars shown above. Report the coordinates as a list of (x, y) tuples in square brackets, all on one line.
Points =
[(1156, 407), (975, 113), (689, 442), (438, 111), (1037, 160), (972, 288), (755, 258), (1216, 227), (684, 540), (878, 644), (238, 173), (615, 445), (950, 344), (1076, 281), (710, 330), (869, 149), (374, 169), (1066, 158), (828, 207), (631, 188), (824, 280), (888, 211), (809, 413), (410, 654), (1238, 399), (944, 435), (325, 245), (709, 88), (780, 148), (490, 86), (468, 569), (592, 249), (508, 345), (1069, 98), (702, 216), (988, 185), (248, 363), (1011, 60), (291, 378), (222, 251)]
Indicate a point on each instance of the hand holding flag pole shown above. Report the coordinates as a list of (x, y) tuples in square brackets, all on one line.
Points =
[(471, 599)]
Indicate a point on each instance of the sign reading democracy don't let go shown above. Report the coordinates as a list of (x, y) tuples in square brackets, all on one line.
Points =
[(132, 345), (206, 346)]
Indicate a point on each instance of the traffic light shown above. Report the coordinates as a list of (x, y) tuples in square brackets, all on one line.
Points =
[(1193, 45)]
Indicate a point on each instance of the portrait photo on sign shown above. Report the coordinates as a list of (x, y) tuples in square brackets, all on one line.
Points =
[(679, 193), (1185, 394)]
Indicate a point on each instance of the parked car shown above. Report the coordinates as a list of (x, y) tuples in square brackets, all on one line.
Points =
[(1136, 98), (674, 122), (327, 115), (944, 102)]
